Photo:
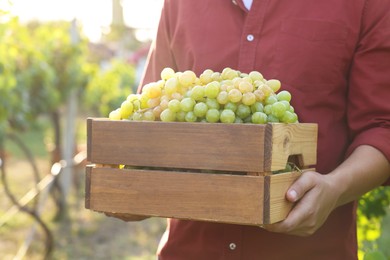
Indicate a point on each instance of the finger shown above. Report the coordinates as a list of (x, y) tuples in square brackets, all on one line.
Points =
[(292, 224), (302, 185)]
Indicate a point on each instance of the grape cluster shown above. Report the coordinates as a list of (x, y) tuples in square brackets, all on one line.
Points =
[(229, 96)]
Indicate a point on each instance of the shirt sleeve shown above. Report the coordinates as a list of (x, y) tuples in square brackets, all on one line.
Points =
[(160, 54), (369, 91)]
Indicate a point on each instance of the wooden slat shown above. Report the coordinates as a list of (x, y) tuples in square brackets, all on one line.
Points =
[(210, 197), (227, 147)]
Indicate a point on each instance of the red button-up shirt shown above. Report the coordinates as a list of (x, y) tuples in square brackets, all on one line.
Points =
[(333, 56)]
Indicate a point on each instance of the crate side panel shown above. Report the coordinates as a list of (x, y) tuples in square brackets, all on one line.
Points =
[(228, 147), (293, 139), (210, 197), (279, 207)]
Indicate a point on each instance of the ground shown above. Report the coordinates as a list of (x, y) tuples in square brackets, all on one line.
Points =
[(84, 234)]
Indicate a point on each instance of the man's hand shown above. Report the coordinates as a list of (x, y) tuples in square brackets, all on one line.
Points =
[(315, 196), (125, 217)]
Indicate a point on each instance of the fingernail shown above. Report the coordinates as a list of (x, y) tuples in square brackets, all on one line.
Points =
[(293, 195)]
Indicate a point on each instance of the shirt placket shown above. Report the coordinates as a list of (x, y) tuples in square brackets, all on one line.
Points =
[(233, 242), (250, 37)]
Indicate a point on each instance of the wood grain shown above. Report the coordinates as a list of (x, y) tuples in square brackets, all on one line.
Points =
[(225, 147), (223, 198)]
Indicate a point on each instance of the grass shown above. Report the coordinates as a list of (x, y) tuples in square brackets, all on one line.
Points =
[(82, 234)]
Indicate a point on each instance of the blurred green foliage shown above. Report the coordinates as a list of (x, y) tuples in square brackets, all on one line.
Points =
[(40, 64), (375, 203), (373, 224), (109, 88)]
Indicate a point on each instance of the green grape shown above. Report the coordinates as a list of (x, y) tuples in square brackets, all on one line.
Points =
[(235, 95), (267, 91), (205, 77), (167, 115), (153, 102), (157, 112), (255, 75), (272, 119), (200, 109), (259, 94), (284, 95), (171, 85), (274, 84), (174, 105), (190, 117), (246, 78), (248, 120), (187, 78), (243, 111), (216, 76), (148, 116), (225, 84), (177, 96), (227, 116), (289, 117), (144, 101), (198, 93), (212, 103), (229, 73), (137, 116), (232, 106), (126, 109), (267, 109), (212, 115), (187, 104), (212, 89), (271, 99), (259, 118), (257, 107), (238, 120), (286, 104), (152, 90), (180, 116), (278, 109), (222, 97), (132, 97), (115, 115), (167, 73), (248, 98), (136, 104), (187, 93), (245, 86)]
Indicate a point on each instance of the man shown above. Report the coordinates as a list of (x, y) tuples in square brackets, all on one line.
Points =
[(334, 57)]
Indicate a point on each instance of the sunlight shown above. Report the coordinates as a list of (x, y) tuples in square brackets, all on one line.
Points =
[(94, 16)]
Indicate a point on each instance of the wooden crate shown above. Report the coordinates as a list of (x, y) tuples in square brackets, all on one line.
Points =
[(171, 165)]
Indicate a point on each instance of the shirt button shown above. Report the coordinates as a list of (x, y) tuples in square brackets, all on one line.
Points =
[(250, 37), (232, 246), (234, 2)]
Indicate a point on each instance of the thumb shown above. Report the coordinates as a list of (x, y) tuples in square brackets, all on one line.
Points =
[(300, 186), (292, 195)]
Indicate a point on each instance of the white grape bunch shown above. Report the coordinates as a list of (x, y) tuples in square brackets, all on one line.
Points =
[(229, 96)]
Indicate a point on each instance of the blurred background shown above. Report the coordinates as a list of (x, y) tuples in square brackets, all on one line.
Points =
[(61, 62)]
